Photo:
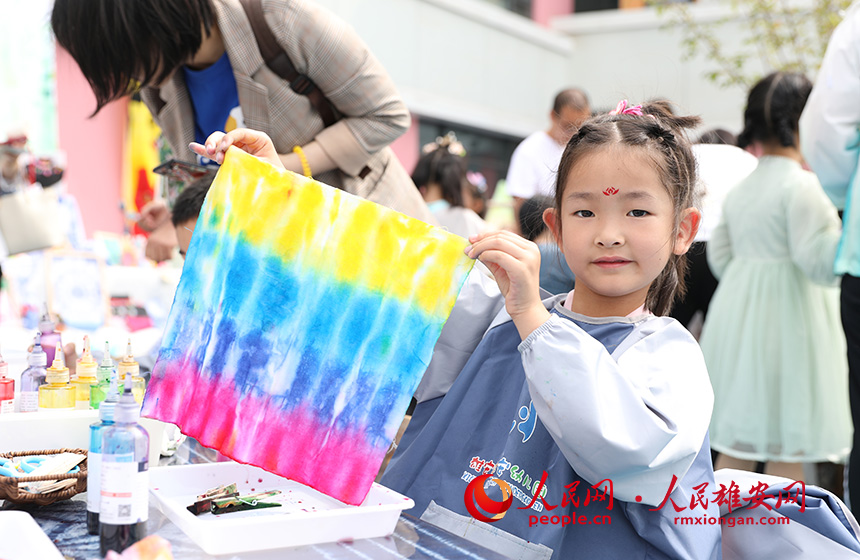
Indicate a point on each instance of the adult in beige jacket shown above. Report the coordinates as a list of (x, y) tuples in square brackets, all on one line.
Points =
[(117, 43)]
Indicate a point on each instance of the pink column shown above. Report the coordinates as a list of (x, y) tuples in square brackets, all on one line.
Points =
[(406, 147), (94, 147), (543, 10)]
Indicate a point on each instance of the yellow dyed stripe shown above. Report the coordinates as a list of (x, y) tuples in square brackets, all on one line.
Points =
[(320, 230)]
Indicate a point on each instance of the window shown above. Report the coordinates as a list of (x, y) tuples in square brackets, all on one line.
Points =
[(522, 7), (594, 5)]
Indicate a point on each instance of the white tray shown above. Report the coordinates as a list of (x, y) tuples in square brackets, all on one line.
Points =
[(306, 516), (21, 538)]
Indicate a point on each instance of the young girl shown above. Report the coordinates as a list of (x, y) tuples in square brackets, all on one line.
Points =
[(440, 176), (583, 396), (772, 340)]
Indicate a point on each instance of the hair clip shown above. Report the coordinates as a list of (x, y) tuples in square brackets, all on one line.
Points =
[(449, 142), (477, 179), (623, 109)]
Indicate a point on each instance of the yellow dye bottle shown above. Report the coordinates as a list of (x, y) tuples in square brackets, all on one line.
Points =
[(128, 366), (85, 377), (57, 393)]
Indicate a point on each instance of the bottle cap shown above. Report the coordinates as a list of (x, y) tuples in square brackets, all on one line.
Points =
[(46, 325), (38, 357), (106, 369), (106, 359), (128, 364), (58, 372), (127, 410), (87, 366), (108, 406)]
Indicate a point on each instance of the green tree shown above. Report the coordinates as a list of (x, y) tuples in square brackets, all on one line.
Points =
[(787, 35)]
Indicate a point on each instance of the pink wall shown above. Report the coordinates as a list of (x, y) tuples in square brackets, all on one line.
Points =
[(406, 147), (94, 148), (543, 10)]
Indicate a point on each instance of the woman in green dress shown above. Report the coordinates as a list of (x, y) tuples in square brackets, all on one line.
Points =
[(773, 340)]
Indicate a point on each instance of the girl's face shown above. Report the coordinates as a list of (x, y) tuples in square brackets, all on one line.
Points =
[(616, 230)]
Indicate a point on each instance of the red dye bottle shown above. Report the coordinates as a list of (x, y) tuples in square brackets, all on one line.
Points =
[(7, 389)]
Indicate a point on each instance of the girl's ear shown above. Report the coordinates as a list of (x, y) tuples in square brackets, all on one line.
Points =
[(687, 228), (551, 219)]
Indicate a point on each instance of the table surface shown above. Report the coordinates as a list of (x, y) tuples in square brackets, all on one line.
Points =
[(65, 524)]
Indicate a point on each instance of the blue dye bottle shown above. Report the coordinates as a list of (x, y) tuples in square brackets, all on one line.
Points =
[(94, 458), (124, 504)]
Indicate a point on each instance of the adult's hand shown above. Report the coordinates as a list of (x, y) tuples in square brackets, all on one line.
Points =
[(153, 214), (254, 142), (161, 242)]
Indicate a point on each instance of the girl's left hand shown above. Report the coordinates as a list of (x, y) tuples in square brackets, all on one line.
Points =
[(515, 264)]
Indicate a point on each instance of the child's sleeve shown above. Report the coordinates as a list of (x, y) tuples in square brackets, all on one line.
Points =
[(814, 230), (477, 305), (719, 249), (636, 421)]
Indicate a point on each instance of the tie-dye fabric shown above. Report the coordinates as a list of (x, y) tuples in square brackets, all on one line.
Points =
[(301, 326)]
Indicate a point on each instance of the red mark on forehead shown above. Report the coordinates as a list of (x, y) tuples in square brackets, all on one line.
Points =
[(610, 191)]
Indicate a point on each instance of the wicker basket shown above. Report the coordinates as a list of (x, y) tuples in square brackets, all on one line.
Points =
[(10, 491)]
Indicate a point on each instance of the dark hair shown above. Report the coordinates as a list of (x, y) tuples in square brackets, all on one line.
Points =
[(572, 97), (718, 136), (773, 109), (478, 193), (531, 216), (190, 201), (116, 43), (445, 169), (663, 138)]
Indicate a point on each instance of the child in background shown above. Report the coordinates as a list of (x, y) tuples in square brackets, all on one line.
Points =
[(440, 176), (475, 194), (772, 339), (555, 275), (721, 165), (585, 392), (186, 210)]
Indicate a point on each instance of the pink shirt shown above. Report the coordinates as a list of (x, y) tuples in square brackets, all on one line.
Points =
[(568, 304)]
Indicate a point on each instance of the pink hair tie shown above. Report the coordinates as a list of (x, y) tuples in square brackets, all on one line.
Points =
[(623, 109)]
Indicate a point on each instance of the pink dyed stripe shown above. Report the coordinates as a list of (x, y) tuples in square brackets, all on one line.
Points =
[(285, 437)]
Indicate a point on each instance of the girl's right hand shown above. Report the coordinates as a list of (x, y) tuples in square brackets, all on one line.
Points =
[(515, 264), (254, 142)]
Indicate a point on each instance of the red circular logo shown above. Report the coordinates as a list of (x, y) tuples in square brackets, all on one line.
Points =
[(476, 496)]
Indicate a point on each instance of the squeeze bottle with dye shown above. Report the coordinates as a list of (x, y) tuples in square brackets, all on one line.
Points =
[(105, 373), (57, 392), (7, 389), (124, 505), (129, 369), (50, 337), (94, 457), (85, 377), (33, 377)]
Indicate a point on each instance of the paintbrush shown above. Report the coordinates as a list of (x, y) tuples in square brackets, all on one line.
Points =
[(243, 503)]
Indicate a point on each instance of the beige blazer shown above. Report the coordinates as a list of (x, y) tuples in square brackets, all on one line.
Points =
[(326, 49)]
